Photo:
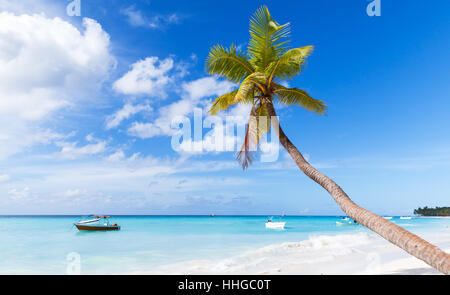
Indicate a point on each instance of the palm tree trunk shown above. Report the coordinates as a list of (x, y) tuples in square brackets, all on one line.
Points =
[(398, 236)]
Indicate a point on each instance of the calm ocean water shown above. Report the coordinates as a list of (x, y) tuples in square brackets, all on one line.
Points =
[(40, 244)]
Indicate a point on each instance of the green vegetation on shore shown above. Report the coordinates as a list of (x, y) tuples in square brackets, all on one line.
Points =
[(438, 211)]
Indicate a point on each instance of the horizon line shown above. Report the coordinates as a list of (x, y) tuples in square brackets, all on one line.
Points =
[(183, 215)]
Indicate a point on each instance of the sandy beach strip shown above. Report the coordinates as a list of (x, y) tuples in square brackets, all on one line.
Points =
[(347, 254)]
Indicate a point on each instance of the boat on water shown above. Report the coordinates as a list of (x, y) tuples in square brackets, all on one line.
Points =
[(346, 221), (97, 223), (405, 217), (387, 217), (275, 225)]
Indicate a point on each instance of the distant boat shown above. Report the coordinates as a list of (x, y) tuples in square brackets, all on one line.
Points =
[(97, 223), (405, 217), (339, 223), (387, 217), (274, 225), (346, 221)]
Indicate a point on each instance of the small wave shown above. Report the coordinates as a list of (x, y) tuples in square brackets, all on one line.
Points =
[(320, 248)]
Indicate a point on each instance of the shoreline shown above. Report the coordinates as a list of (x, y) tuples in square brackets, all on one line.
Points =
[(342, 254)]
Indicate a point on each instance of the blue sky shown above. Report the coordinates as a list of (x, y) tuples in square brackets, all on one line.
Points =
[(86, 102)]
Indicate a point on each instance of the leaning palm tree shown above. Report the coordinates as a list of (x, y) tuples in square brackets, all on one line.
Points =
[(259, 74)]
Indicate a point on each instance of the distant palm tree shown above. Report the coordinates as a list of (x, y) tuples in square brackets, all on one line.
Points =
[(258, 73)]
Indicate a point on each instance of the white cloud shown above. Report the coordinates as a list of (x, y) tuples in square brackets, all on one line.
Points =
[(116, 157), (16, 194), (4, 178), (193, 94), (136, 18), (70, 150), (144, 130), (124, 113), (149, 77), (152, 183), (206, 87), (70, 193), (43, 60), (15, 135), (43, 63)]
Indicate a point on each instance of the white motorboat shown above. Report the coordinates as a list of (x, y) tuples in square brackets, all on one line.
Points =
[(275, 225), (405, 217), (97, 223), (387, 217), (346, 221), (340, 223)]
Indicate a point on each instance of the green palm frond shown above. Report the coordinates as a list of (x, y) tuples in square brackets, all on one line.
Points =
[(228, 62), (289, 64), (295, 96), (253, 82), (267, 39), (245, 94), (223, 102)]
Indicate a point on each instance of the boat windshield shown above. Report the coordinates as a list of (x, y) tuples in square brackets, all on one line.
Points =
[(95, 219)]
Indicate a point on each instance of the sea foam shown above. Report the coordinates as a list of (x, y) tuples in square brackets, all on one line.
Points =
[(316, 249)]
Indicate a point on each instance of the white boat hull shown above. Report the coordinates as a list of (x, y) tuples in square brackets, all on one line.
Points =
[(275, 225), (340, 223)]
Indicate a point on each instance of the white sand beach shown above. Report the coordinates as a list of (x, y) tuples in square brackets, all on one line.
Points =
[(360, 253)]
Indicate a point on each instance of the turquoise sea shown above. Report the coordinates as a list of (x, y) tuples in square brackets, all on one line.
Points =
[(41, 244)]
